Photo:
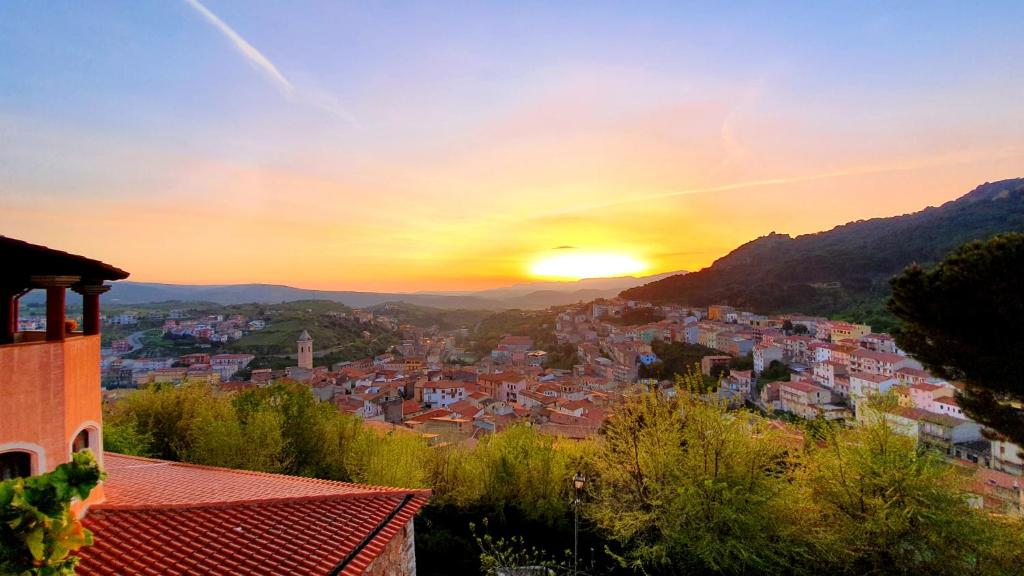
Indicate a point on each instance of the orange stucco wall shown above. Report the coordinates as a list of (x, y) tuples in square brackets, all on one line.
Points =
[(48, 391)]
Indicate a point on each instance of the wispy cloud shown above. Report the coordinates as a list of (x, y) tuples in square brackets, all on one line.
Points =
[(315, 99), (959, 157)]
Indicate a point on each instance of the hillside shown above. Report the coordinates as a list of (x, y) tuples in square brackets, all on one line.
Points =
[(333, 329), (844, 271)]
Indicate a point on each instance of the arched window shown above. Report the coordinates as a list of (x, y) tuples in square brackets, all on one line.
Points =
[(15, 464), (81, 442)]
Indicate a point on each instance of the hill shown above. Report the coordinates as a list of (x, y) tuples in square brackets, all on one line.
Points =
[(534, 295), (331, 325), (845, 271)]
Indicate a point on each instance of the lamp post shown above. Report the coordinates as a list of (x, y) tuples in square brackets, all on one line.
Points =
[(578, 482)]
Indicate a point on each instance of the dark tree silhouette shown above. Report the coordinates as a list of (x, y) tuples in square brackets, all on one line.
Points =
[(962, 319)]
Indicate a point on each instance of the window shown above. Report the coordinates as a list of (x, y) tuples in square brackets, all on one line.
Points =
[(81, 442), (15, 465)]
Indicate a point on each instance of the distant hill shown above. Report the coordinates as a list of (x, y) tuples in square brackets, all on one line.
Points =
[(534, 295), (844, 271)]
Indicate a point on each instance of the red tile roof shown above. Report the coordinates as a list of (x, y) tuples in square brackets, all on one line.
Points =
[(164, 517)]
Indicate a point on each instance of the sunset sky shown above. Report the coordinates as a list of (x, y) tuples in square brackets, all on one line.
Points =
[(390, 146)]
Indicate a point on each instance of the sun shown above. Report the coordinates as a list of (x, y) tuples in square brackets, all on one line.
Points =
[(593, 265)]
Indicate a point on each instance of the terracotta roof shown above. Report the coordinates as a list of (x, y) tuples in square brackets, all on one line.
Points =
[(164, 517), (23, 260)]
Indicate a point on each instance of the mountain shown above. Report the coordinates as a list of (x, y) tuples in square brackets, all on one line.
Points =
[(844, 271), (527, 296), (595, 287)]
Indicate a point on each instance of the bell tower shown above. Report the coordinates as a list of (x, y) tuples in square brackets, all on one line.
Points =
[(305, 343)]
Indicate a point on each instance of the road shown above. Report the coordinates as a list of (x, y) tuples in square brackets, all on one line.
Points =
[(135, 339)]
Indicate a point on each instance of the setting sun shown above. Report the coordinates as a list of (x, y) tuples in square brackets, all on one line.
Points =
[(578, 266)]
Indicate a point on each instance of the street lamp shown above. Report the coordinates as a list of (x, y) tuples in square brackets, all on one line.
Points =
[(578, 482)]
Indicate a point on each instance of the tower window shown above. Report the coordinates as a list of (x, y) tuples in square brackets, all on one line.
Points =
[(81, 441), (15, 465)]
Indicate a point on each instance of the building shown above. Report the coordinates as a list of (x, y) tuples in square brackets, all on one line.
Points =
[(764, 356), (227, 364), (840, 331), (1007, 456), (305, 346), (803, 398), (708, 363), (883, 363), (158, 517)]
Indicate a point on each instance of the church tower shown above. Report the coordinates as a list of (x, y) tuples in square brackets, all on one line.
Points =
[(305, 343)]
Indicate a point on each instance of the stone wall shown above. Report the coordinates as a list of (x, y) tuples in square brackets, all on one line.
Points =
[(398, 557)]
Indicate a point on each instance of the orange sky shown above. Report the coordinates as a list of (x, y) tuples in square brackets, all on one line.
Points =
[(320, 148)]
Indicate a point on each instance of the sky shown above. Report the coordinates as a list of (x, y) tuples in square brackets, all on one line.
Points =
[(456, 146)]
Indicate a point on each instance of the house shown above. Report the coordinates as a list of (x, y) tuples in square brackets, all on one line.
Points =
[(708, 363), (839, 331), (440, 394), (152, 516), (228, 364), (739, 381), (803, 398), (883, 363), (947, 405), (503, 386), (770, 396), (1006, 456), (864, 385), (998, 492), (764, 356), (942, 431)]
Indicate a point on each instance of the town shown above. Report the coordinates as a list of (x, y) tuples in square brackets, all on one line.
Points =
[(793, 367)]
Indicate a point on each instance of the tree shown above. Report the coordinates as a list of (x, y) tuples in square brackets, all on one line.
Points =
[(38, 531), (962, 320), (775, 371), (893, 509), (686, 487)]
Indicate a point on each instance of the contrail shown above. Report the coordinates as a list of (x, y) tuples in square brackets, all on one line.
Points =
[(312, 98), (254, 56)]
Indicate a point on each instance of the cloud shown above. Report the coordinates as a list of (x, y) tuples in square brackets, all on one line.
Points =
[(312, 98), (954, 158)]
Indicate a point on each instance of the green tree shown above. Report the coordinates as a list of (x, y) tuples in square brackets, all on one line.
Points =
[(38, 531), (687, 487), (962, 320), (124, 437), (892, 509)]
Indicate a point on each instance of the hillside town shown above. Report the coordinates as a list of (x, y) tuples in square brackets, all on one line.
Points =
[(790, 366)]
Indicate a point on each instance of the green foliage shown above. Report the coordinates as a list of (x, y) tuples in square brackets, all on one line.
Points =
[(892, 509), (539, 325), (38, 532), (677, 484), (429, 317), (846, 268), (962, 320), (636, 316), (674, 358), (688, 488), (501, 556), (742, 362), (124, 437), (562, 356), (773, 372)]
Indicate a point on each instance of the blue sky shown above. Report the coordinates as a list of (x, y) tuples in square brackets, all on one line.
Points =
[(421, 129)]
